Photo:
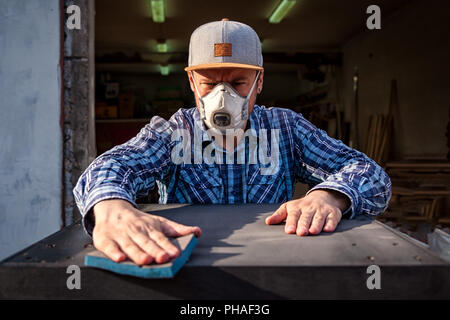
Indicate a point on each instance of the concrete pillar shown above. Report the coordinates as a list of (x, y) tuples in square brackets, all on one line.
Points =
[(79, 99)]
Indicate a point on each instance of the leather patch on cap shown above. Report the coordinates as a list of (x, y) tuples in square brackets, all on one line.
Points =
[(223, 50)]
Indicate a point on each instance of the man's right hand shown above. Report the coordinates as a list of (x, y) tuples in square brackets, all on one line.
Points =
[(123, 231)]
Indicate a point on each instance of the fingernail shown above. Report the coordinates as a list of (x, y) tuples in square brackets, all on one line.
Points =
[(142, 260), (164, 256), (290, 229), (173, 253), (302, 231)]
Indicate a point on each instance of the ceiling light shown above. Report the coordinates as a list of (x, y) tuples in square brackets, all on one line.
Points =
[(281, 10), (161, 46), (165, 70), (158, 11)]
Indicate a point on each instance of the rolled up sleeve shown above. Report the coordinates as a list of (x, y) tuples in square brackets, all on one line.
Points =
[(327, 163), (125, 172)]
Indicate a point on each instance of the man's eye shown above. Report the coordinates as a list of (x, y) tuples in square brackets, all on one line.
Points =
[(239, 83)]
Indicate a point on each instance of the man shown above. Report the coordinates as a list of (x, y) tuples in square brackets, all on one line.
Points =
[(201, 156)]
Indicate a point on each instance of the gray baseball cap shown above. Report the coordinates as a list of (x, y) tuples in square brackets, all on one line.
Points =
[(224, 44)]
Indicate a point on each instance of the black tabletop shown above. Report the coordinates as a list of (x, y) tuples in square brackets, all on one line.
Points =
[(240, 257)]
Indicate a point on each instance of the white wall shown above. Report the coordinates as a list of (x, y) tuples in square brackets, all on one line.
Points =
[(413, 46), (30, 132)]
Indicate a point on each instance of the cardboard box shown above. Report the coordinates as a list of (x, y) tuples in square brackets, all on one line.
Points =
[(103, 111), (126, 105)]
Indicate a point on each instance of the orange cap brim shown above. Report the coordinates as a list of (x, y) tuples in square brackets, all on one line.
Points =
[(223, 65)]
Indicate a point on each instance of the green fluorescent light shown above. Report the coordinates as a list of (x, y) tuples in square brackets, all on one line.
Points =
[(281, 11), (158, 11), (161, 47), (165, 70)]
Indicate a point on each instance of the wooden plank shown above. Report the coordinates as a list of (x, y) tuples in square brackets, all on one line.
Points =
[(416, 164), (369, 136), (444, 220), (387, 135), (406, 191), (371, 150), (379, 137)]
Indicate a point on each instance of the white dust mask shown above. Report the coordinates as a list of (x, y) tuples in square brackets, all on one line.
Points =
[(224, 108)]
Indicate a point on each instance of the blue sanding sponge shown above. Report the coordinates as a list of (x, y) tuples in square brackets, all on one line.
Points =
[(166, 270)]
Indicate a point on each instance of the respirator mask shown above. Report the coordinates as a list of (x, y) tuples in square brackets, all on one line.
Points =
[(223, 107)]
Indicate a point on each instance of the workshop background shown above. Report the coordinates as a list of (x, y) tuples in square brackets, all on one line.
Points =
[(66, 95)]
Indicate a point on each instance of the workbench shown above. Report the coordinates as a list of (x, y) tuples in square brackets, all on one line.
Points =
[(240, 257)]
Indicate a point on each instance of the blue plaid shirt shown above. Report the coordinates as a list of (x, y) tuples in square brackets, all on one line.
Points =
[(306, 154)]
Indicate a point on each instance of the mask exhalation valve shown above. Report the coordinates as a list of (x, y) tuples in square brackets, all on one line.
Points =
[(222, 119)]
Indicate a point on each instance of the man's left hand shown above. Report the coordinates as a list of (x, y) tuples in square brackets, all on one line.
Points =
[(319, 210)]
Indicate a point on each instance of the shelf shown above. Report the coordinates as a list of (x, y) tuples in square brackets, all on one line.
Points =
[(316, 104), (122, 120)]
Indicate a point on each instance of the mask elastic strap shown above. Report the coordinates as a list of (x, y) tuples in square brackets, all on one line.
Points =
[(245, 105), (202, 107)]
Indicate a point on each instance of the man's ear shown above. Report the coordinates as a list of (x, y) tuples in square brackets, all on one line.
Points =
[(259, 84), (189, 74)]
